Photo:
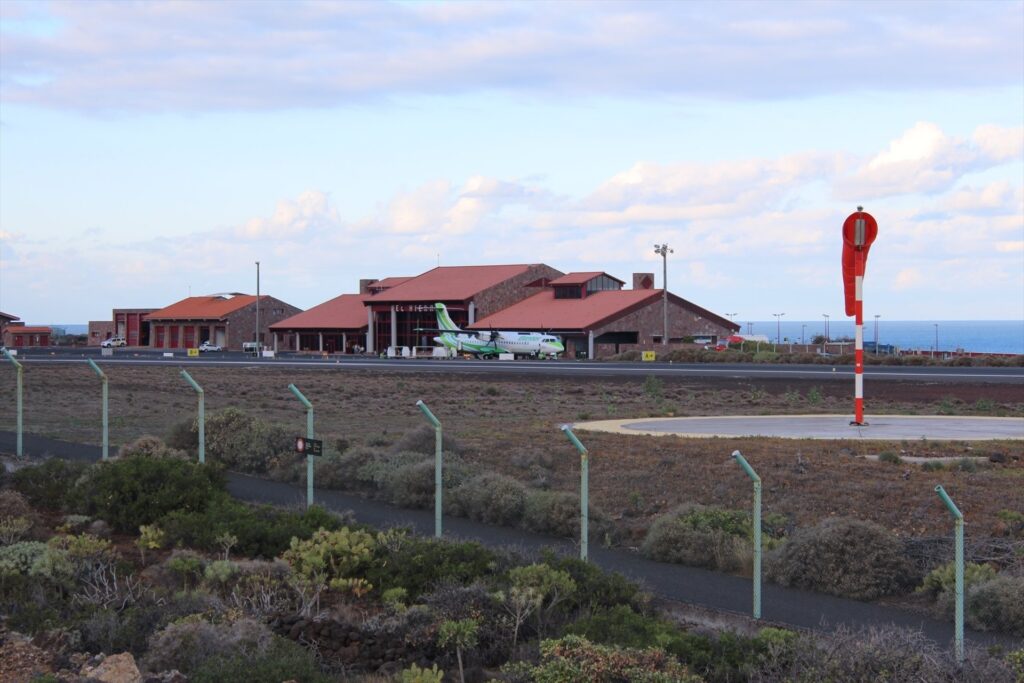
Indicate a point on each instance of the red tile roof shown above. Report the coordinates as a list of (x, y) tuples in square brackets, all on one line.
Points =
[(581, 278), (345, 312), (544, 312), (449, 283), (204, 307)]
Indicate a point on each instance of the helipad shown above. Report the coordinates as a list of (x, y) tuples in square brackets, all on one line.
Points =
[(878, 428)]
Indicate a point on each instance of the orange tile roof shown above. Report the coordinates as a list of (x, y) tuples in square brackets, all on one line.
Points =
[(544, 312), (345, 312), (581, 278), (203, 307), (449, 283)]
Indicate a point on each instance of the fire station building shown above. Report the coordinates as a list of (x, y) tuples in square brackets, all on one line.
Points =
[(227, 320)]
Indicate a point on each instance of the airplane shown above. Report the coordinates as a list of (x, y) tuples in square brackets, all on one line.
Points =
[(489, 344)]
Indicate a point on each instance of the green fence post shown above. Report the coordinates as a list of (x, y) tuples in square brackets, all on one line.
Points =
[(202, 416), (958, 526), (756, 523), (106, 421), (438, 488), (584, 490), (309, 435), (21, 372)]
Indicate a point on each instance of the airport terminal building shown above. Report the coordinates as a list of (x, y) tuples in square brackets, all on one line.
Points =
[(592, 311)]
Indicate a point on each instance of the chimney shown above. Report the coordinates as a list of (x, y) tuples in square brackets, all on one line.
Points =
[(364, 285), (643, 280)]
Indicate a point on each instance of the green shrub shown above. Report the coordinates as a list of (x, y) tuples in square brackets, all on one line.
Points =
[(109, 629), (622, 626), (415, 674), (490, 498), (595, 587), (281, 660), (14, 504), (701, 536), (262, 531), (134, 491), (933, 466), (940, 584), (417, 564), (338, 556), (48, 485), (150, 447), (997, 605), (890, 457), (412, 484), (183, 436), (241, 442), (846, 557)]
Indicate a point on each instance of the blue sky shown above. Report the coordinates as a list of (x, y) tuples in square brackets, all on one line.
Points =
[(150, 150)]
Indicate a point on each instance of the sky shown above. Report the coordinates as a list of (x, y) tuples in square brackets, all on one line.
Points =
[(153, 150)]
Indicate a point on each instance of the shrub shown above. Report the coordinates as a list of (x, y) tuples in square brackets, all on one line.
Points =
[(552, 512), (112, 630), (595, 587), (150, 447), (451, 601), (417, 564), (13, 529), (338, 556), (573, 658), (846, 557), (135, 491), (14, 504), (183, 436), (239, 441), (48, 485), (281, 660), (890, 457), (940, 584), (422, 440), (261, 531), (412, 484), (491, 498), (415, 674), (997, 605), (700, 536)]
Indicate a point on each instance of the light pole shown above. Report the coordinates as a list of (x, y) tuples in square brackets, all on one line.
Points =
[(257, 339), (936, 338), (877, 316), (663, 251), (827, 338), (778, 327), (803, 334)]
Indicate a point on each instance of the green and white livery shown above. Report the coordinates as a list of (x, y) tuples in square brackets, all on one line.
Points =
[(487, 344)]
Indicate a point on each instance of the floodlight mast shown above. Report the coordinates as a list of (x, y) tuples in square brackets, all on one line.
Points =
[(663, 251)]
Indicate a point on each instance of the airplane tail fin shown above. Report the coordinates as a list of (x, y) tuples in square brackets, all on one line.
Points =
[(444, 321)]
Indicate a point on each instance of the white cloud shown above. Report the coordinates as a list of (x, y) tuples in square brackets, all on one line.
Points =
[(908, 278), (274, 55), (926, 160), (292, 218)]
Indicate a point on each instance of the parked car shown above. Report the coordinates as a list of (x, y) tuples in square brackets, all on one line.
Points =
[(112, 342), (209, 346)]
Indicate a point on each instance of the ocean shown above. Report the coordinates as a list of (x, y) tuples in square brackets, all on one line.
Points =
[(979, 336)]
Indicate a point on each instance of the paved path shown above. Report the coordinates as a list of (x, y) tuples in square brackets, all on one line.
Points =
[(783, 606), (878, 428)]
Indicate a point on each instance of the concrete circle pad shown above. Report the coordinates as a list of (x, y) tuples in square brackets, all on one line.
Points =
[(878, 427)]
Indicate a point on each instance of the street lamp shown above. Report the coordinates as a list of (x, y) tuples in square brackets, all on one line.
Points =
[(877, 316), (257, 338), (778, 327), (936, 338), (827, 338), (663, 251), (803, 334)]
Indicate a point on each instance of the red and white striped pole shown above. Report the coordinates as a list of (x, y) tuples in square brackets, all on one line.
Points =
[(858, 352), (859, 232)]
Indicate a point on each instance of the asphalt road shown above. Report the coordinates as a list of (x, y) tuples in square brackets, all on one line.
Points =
[(781, 606), (546, 368)]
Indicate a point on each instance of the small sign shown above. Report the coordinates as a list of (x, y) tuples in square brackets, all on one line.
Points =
[(193, 353), (309, 446), (648, 355)]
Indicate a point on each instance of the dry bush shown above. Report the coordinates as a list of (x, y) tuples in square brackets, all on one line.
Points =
[(997, 605), (14, 504), (150, 447), (422, 440), (490, 498), (895, 655), (701, 536), (842, 556), (242, 442), (553, 512), (186, 644), (412, 485)]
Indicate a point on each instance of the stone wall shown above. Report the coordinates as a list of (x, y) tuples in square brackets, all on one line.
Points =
[(512, 291), (242, 323)]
